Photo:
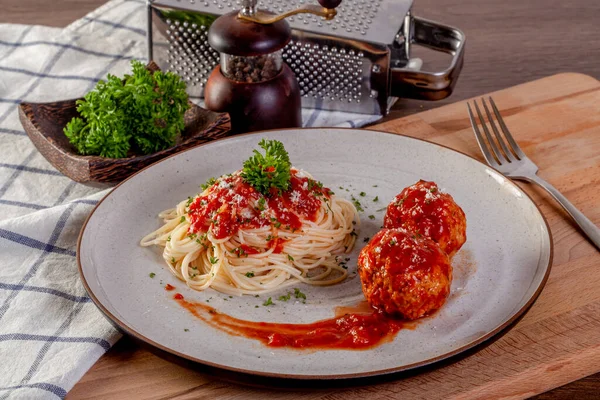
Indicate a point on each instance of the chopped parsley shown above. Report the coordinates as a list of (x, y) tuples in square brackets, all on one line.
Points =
[(269, 170), (209, 183), (285, 297), (270, 238), (213, 260), (374, 185), (290, 258), (186, 330), (250, 274), (261, 204), (182, 219), (357, 204), (371, 216), (327, 203), (189, 202), (376, 199), (268, 302), (169, 238), (362, 194), (173, 260), (240, 253), (381, 209), (276, 223), (393, 242), (152, 275), (192, 235), (298, 294), (433, 189)]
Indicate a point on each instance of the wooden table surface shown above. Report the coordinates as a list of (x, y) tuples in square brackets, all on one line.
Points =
[(508, 42)]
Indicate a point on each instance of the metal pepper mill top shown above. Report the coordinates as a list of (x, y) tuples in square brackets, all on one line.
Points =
[(252, 83)]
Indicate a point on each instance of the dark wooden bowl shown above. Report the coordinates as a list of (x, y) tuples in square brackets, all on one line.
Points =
[(44, 123)]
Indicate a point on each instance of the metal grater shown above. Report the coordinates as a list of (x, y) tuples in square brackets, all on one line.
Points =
[(357, 62)]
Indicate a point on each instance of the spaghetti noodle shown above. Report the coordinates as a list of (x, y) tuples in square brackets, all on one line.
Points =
[(236, 240)]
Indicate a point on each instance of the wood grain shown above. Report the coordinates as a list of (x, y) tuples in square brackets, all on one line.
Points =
[(556, 342), (509, 42)]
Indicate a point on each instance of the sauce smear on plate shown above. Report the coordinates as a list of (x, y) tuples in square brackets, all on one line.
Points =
[(352, 331)]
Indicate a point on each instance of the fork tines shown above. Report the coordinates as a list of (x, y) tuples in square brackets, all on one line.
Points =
[(496, 151)]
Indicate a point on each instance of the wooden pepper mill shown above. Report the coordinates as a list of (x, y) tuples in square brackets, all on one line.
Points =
[(252, 83)]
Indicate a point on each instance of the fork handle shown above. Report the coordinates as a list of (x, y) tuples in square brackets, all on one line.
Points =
[(587, 226)]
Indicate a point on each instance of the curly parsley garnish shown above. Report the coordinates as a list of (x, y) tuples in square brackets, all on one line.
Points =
[(269, 170), (140, 113)]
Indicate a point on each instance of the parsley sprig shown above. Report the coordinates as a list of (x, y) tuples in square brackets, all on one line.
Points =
[(141, 113), (269, 170)]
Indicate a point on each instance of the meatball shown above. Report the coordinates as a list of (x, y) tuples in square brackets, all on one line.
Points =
[(423, 209), (404, 275)]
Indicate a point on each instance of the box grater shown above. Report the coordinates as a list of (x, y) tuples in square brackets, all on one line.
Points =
[(357, 62)]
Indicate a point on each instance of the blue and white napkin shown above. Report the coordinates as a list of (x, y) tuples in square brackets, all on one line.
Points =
[(50, 332)]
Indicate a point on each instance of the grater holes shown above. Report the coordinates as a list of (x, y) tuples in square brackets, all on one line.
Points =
[(330, 73), (187, 55)]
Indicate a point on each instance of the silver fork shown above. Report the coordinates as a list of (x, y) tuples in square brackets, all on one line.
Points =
[(509, 159)]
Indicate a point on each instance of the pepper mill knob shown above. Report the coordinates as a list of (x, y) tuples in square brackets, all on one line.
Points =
[(330, 3)]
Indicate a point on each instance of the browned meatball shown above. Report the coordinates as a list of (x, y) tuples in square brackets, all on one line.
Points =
[(404, 275), (423, 209)]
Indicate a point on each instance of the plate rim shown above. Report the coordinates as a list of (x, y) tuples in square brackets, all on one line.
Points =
[(302, 377)]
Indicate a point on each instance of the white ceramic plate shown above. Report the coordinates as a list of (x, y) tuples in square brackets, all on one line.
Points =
[(497, 275)]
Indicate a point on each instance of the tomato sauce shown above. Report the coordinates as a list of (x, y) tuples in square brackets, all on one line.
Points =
[(423, 209), (231, 204), (350, 331)]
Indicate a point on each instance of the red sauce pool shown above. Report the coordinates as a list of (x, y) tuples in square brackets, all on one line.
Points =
[(352, 329)]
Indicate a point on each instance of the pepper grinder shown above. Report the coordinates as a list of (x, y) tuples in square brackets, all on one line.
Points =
[(252, 83)]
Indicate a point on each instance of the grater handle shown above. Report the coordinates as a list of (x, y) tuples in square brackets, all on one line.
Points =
[(423, 85)]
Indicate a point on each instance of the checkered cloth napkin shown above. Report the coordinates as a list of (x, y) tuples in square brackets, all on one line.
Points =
[(50, 332)]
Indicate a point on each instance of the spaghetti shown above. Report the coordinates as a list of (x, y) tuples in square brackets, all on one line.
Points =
[(236, 240)]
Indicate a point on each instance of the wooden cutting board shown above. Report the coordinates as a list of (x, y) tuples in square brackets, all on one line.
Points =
[(557, 122)]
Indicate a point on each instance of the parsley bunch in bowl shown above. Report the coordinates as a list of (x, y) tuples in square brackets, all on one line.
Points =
[(141, 113)]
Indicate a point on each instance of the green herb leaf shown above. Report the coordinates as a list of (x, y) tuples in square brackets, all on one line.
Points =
[(152, 275), (376, 199), (285, 297), (261, 204), (182, 219), (213, 260), (290, 258), (268, 302), (371, 217), (269, 170), (208, 183), (298, 294), (250, 274), (357, 204), (140, 113), (362, 194)]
